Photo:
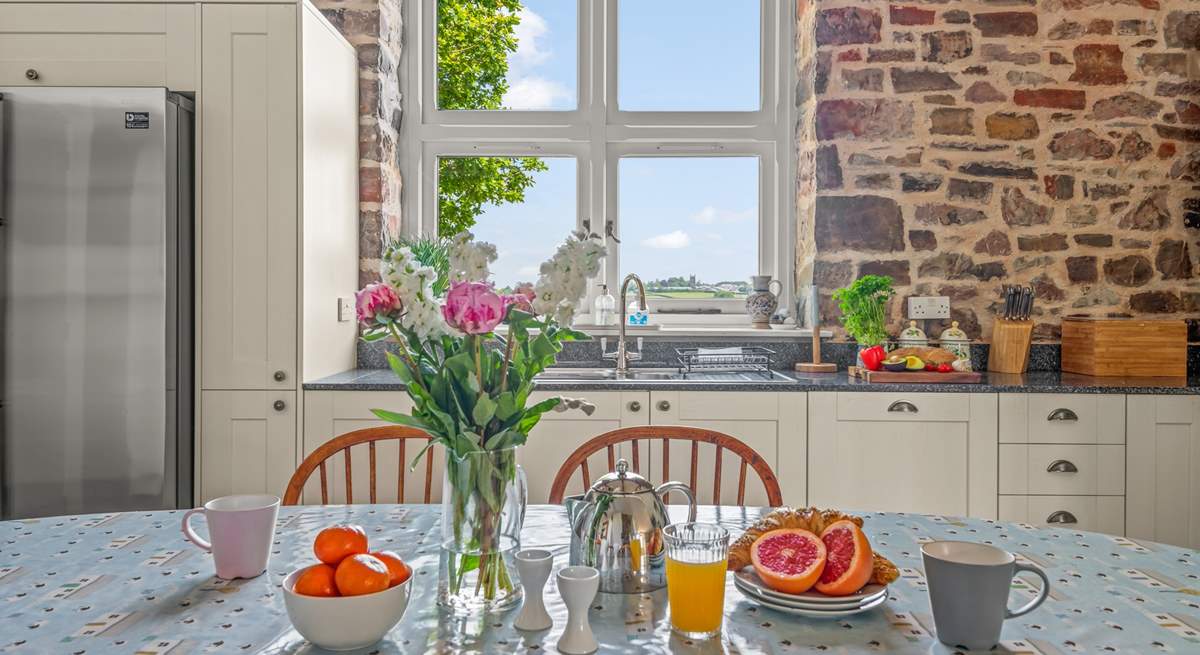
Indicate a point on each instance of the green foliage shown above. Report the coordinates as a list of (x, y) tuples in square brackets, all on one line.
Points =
[(863, 306), (474, 38), (433, 252)]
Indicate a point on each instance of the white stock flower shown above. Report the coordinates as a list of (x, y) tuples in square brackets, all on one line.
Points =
[(565, 275), (469, 259), (413, 283)]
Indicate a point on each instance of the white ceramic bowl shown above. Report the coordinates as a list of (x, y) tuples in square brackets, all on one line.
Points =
[(345, 622)]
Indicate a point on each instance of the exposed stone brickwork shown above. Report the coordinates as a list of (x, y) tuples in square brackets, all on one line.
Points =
[(374, 28), (964, 145)]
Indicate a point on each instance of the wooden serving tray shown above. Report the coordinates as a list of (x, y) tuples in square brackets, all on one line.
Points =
[(916, 377)]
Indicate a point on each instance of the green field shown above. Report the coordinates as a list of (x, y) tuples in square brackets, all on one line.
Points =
[(686, 295)]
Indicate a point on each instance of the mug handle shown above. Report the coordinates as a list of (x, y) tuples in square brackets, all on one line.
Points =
[(1033, 604), (191, 534)]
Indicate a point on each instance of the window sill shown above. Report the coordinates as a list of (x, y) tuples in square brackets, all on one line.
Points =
[(668, 332)]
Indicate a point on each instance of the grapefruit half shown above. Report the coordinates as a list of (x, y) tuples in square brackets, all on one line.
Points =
[(788, 561), (848, 561)]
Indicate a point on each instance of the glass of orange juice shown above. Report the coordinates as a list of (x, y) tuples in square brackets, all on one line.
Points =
[(696, 554)]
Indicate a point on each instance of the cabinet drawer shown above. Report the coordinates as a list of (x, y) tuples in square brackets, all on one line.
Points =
[(1062, 418), (1057, 469), (1092, 513), (902, 407)]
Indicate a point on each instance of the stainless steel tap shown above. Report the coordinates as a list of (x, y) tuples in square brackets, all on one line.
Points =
[(622, 355)]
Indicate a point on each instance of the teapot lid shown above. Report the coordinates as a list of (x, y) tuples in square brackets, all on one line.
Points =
[(621, 481)]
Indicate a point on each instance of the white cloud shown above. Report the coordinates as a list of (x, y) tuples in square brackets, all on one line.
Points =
[(528, 272), (669, 241), (528, 32), (535, 93), (710, 215)]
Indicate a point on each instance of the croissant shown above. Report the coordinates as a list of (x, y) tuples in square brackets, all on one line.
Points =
[(815, 521)]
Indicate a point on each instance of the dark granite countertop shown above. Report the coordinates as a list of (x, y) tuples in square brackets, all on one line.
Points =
[(375, 379)]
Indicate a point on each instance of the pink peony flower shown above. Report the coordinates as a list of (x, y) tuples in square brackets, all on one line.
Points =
[(473, 307), (376, 300)]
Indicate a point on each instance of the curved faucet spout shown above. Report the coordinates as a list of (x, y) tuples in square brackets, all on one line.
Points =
[(623, 355)]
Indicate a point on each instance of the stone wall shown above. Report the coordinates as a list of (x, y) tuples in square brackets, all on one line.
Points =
[(963, 145), (374, 28)]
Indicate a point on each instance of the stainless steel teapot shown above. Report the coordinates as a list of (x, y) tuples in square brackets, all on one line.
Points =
[(617, 527)]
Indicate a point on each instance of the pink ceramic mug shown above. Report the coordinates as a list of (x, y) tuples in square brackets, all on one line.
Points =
[(242, 529)]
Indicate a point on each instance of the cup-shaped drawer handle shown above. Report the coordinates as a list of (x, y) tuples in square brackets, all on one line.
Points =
[(902, 406), (1062, 516), (1061, 466), (1062, 414)]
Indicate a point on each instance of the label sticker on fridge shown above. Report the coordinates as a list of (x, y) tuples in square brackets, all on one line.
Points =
[(137, 120)]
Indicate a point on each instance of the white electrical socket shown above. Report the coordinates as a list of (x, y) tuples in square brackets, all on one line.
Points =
[(345, 309), (924, 307)]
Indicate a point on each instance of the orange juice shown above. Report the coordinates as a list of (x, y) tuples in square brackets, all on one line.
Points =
[(696, 595)]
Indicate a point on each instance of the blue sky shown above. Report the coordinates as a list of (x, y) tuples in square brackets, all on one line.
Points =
[(681, 215)]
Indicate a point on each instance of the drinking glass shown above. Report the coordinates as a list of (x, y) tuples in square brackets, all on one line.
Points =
[(696, 555)]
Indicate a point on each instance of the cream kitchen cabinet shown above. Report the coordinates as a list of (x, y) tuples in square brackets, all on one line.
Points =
[(249, 442), (904, 452), (773, 424), (1163, 467), (99, 44)]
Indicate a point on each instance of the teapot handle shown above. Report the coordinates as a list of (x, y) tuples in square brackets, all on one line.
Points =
[(667, 487)]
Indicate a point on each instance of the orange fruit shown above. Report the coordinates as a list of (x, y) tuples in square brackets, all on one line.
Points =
[(316, 580), (397, 569), (335, 543), (361, 574), (789, 561), (849, 561)]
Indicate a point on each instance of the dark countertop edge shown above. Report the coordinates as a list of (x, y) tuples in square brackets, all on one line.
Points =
[(1033, 382)]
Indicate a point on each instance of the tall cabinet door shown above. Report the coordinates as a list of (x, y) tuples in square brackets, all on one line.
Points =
[(249, 215), (1162, 495), (249, 444)]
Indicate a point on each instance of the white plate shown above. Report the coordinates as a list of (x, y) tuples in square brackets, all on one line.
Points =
[(800, 603), (818, 613), (755, 584)]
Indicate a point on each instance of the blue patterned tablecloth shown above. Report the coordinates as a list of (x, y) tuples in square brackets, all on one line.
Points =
[(129, 583)]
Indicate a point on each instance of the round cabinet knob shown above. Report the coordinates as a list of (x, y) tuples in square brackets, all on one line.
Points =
[(635, 406), (279, 405), (664, 406), (32, 74), (280, 376)]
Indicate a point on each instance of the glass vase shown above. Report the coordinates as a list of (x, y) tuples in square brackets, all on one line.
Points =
[(483, 509)]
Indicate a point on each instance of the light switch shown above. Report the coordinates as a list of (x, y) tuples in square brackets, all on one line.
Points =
[(345, 309)]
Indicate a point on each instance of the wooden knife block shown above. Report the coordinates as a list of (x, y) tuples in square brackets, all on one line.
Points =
[(1009, 352)]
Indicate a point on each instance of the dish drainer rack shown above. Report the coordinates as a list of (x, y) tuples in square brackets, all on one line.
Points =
[(753, 359)]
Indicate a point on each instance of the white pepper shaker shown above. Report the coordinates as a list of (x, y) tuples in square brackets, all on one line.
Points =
[(578, 585), (534, 566)]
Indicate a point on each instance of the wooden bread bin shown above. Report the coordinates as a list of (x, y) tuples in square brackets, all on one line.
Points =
[(1124, 347)]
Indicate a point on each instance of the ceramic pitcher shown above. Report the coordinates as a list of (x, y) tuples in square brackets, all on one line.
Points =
[(762, 302)]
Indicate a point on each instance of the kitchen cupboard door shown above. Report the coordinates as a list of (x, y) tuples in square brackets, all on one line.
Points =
[(1163, 469), (248, 443), (929, 453), (248, 223), (768, 422), (329, 414), (558, 434), (98, 44)]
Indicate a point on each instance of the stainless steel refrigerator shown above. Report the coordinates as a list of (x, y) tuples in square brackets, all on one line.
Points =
[(96, 214)]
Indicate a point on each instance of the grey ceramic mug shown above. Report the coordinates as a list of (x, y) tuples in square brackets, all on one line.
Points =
[(968, 591)]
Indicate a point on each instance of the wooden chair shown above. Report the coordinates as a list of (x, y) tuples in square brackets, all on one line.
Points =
[(666, 434), (316, 460)]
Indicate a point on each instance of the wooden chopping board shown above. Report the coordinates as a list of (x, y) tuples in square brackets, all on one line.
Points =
[(916, 377)]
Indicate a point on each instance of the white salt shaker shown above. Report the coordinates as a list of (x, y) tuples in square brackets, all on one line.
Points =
[(534, 568), (578, 585)]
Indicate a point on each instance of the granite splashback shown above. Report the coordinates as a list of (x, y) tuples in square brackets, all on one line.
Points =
[(1042, 356)]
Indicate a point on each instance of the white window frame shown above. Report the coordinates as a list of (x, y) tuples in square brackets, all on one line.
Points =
[(598, 133)]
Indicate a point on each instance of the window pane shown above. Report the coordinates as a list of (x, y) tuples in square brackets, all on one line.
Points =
[(688, 55), (689, 225), (507, 54), (525, 206)]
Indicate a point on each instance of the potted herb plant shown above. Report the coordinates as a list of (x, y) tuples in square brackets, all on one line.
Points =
[(864, 310)]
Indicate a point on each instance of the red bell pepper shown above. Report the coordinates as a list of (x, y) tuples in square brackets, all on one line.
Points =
[(873, 357)]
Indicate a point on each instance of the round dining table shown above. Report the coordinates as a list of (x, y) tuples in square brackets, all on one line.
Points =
[(129, 583)]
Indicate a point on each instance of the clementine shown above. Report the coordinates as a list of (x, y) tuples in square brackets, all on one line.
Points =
[(335, 543), (849, 561), (361, 574), (316, 580), (397, 569)]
